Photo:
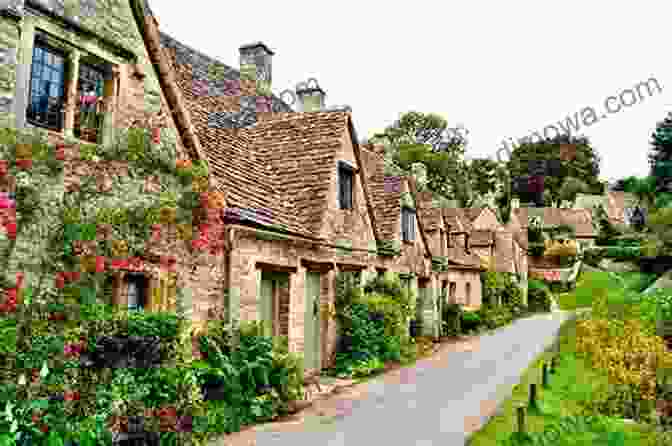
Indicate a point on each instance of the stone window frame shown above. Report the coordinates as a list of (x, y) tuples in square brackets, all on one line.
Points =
[(35, 30)]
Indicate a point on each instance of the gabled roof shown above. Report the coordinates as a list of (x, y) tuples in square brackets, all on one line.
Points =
[(276, 170), (617, 202), (481, 237), (454, 217), (428, 211), (385, 193), (580, 219)]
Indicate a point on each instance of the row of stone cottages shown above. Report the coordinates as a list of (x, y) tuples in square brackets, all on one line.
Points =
[(304, 200)]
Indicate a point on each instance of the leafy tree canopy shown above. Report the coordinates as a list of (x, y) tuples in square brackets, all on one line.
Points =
[(533, 160)]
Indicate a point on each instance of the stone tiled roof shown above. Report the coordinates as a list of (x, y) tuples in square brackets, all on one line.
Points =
[(213, 87), (522, 214), (580, 219), (275, 170), (300, 151), (456, 219), (617, 202), (481, 237), (428, 212), (385, 193), (457, 256)]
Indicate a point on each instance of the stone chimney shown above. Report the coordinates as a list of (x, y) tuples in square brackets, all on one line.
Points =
[(310, 95), (255, 63)]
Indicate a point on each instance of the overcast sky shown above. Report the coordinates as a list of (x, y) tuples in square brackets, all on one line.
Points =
[(502, 69)]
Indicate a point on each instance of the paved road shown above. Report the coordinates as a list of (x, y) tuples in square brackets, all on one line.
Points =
[(435, 401)]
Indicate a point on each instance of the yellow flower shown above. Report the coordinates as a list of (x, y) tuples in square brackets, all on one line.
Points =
[(87, 263), (185, 231), (200, 184), (167, 215), (119, 248), (24, 151)]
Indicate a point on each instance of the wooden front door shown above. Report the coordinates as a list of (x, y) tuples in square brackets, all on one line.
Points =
[(274, 303), (312, 324)]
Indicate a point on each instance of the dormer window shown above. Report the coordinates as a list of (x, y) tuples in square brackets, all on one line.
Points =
[(345, 185), (408, 224)]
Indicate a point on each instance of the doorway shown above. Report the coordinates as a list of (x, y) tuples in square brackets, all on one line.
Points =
[(312, 323)]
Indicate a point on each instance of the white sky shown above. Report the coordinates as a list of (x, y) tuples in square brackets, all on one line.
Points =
[(503, 69)]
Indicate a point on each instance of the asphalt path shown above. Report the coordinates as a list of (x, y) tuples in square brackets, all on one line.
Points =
[(437, 401)]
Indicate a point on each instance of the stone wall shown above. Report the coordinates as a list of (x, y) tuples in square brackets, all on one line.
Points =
[(9, 43)]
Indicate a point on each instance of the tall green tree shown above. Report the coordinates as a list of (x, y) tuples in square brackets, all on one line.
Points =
[(660, 154), (423, 138), (544, 159)]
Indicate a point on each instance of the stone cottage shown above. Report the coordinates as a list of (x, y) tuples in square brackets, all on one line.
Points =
[(296, 198), (80, 75), (457, 268)]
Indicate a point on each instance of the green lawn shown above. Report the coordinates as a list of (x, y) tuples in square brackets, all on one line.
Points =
[(618, 285), (575, 381)]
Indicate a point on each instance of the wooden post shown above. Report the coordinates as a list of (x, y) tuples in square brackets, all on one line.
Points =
[(533, 396), (520, 413)]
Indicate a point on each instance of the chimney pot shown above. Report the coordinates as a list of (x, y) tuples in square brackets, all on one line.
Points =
[(311, 96)]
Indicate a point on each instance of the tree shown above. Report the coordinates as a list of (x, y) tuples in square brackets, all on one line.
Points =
[(418, 138), (660, 155), (570, 188), (540, 164)]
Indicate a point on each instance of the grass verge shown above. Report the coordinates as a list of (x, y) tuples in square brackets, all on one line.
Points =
[(573, 383)]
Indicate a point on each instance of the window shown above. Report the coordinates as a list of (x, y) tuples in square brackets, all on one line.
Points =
[(451, 292), (88, 112), (408, 224), (137, 285), (468, 293), (345, 180), (47, 87)]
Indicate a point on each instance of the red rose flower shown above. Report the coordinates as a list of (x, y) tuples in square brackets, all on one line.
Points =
[(60, 281), (44, 428), (24, 163), (11, 230), (156, 135), (60, 152), (74, 276), (4, 167), (119, 264), (100, 264)]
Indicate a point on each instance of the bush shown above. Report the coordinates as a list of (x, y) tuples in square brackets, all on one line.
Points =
[(538, 296), (592, 256), (374, 327), (622, 252), (451, 320), (495, 316), (471, 320), (257, 377)]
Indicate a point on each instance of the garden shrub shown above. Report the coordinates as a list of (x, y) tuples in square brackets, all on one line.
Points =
[(495, 316), (256, 376), (622, 252), (373, 322), (471, 320), (451, 320), (538, 296), (592, 256)]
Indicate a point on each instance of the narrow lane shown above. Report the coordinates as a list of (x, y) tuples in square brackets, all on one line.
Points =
[(437, 401)]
